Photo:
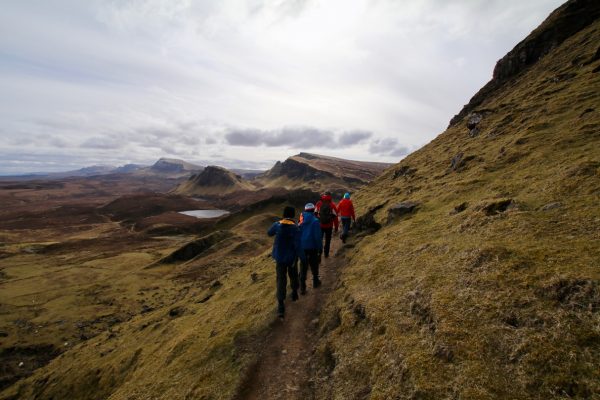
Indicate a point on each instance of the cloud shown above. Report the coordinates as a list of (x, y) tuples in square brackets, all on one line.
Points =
[(102, 143), (295, 138), (133, 79), (389, 147), (353, 137)]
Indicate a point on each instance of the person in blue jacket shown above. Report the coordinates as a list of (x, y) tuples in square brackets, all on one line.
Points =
[(310, 240), (286, 250)]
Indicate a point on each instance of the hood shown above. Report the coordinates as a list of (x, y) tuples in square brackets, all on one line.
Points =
[(326, 197), (308, 216)]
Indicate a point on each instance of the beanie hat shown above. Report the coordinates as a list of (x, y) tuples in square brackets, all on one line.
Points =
[(289, 212), (309, 207), (346, 195)]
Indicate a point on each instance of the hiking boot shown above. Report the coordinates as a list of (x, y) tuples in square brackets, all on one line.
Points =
[(280, 310), (303, 289), (316, 283), (294, 295)]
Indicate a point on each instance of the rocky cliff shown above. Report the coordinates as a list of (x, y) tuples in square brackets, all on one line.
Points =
[(320, 173), (563, 23)]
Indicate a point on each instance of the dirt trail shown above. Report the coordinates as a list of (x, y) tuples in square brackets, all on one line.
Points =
[(282, 371)]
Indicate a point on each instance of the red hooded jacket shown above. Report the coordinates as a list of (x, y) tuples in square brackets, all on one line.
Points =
[(346, 208), (334, 221)]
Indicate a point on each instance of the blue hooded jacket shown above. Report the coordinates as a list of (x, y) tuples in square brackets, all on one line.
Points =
[(310, 232), (286, 246)]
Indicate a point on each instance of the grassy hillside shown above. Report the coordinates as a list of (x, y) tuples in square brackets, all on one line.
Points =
[(196, 341), (490, 287)]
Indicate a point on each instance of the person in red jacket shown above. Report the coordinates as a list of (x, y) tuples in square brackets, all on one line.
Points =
[(346, 212), (326, 210)]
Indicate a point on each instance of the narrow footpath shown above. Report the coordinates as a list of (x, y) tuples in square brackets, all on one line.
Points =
[(282, 371)]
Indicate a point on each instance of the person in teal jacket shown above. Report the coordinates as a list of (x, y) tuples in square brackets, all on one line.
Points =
[(286, 251), (310, 240)]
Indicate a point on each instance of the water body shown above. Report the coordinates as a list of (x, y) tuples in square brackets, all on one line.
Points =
[(205, 213)]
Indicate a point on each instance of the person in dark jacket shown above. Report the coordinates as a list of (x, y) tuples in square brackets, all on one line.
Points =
[(346, 211), (286, 250), (326, 210), (310, 240)]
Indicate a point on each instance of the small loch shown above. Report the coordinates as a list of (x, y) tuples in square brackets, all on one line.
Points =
[(205, 213)]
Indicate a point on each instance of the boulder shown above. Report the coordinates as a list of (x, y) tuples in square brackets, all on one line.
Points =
[(473, 120), (405, 171), (552, 206), (366, 223), (459, 161), (459, 208), (497, 207), (401, 209)]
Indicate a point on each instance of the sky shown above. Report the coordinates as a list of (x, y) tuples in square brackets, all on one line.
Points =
[(241, 84)]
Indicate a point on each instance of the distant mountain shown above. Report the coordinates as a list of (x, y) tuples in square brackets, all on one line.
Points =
[(93, 170), (302, 171), (320, 172), (174, 166), (127, 168), (213, 181), (170, 167)]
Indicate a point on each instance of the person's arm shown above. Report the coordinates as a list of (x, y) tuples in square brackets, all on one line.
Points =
[(336, 222), (352, 212), (273, 229), (298, 246), (318, 236)]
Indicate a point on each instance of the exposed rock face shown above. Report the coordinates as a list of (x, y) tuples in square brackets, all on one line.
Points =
[(295, 169), (321, 172), (563, 23), (399, 210)]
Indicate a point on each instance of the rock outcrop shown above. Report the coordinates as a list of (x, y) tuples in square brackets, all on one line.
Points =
[(213, 181), (319, 172), (564, 22)]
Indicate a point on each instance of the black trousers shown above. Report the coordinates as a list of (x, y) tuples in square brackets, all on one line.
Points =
[(327, 237), (283, 270), (312, 260)]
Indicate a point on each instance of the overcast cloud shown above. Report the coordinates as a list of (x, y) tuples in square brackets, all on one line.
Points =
[(113, 82)]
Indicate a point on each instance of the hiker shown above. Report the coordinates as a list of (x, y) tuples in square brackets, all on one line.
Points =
[(346, 212), (327, 213), (286, 250), (311, 243)]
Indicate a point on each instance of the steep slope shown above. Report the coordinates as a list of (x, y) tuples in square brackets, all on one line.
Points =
[(213, 181), (320, 172), (476, 271)]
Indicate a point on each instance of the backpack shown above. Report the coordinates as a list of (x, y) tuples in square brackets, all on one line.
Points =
[(325, 214)]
